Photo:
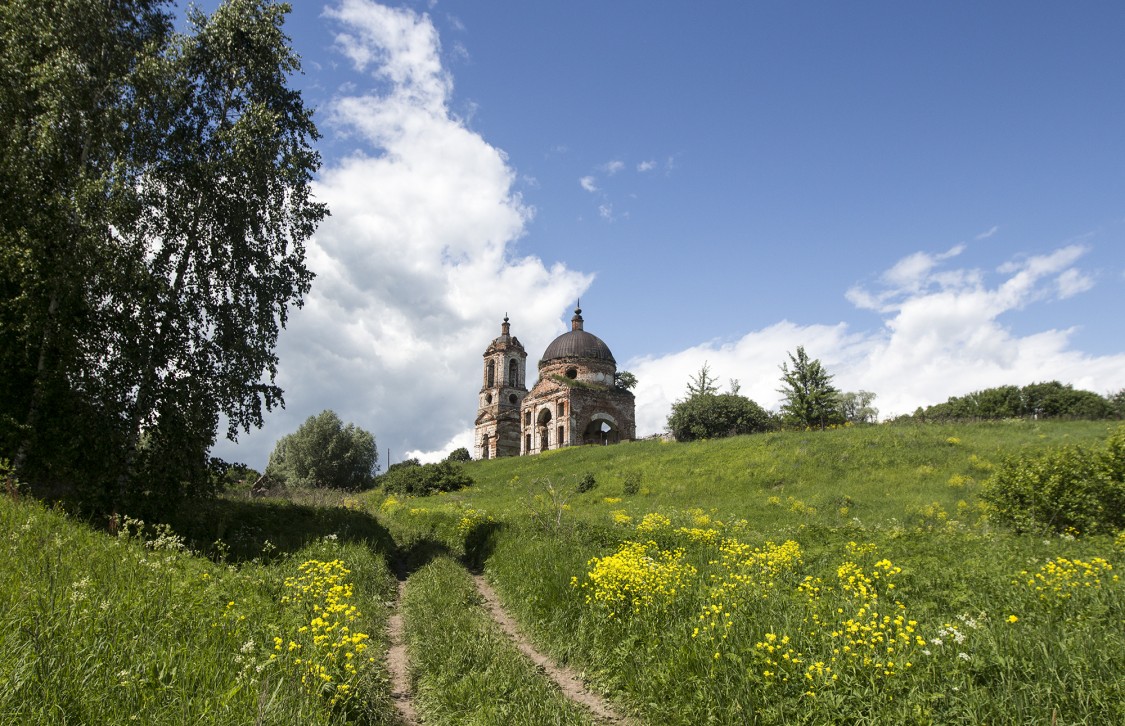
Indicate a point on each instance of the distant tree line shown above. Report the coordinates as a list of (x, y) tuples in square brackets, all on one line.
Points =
[(809, 401), (1050, 400)]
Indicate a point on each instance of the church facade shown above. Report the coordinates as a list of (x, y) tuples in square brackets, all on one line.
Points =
[(575, 400)]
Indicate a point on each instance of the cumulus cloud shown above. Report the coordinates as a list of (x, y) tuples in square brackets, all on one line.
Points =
[(943, 334), (612, 167), (646, 166), (588, 183), (418, 262)]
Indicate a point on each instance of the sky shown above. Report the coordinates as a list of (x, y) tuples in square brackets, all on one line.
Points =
[(929, 197)]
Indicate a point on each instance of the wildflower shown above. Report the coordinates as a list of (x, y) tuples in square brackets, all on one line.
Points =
[(1013, 619)]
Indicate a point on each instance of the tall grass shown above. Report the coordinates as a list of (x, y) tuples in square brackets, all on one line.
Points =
[(136, 629), (903, 603), (466, 670)]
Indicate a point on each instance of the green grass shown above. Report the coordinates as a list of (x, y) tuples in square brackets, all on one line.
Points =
[(466, 670), (907, 499), (135, 629), (96, 628)]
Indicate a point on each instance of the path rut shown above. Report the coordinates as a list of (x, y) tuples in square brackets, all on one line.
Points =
[(397, 663), (565, 678)]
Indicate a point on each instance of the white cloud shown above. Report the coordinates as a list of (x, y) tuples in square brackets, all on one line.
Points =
[(943, 335), (612, 167), (588, 183), (646, 166), (988, 233), (417, 264), (605, 211), (1073, 282)]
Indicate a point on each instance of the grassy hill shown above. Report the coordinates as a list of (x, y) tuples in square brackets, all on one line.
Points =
[(842, 576)]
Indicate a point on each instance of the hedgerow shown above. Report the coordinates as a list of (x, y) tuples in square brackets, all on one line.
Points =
[(1075, 489)]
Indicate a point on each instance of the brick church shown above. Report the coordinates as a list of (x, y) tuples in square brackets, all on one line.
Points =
[(575, 400)]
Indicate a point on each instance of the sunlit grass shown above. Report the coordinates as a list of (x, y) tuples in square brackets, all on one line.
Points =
[(844, 576)]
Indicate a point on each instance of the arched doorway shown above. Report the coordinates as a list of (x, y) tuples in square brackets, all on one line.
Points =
[(602, 430), (543, 426)]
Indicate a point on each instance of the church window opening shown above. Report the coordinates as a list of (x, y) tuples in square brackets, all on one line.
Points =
[(527, 443), (488, 398), (562, 408), (490, 376), (512, 398), (572, 373), (561, 437), (527, 418), (513, 373)]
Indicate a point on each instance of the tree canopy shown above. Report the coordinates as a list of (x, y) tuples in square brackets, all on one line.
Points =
[(157, 202), (1050, 399), (704, 413), (810, 399), (323, 452)]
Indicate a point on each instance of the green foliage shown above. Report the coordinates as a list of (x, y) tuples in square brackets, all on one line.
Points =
[(702, 383), (460, 455), (421, 480), (587, 483), (324, 452), (632, 483), (707, 414), (1072, 489), (810, 399), (712, 416), (625, 380), (157, 201), (855, 407), (1037, 400)]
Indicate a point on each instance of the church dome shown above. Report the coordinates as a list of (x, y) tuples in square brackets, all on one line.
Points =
[(577, 343)]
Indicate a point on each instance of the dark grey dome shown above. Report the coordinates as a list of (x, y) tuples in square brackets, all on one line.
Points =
[(578, 344)]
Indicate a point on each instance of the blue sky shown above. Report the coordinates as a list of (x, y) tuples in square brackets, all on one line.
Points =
[(929, 197)]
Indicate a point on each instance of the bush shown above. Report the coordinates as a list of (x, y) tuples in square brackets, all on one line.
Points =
[(632, 482), (1075, 488), (462, 454), (324, 452), (587, 483), (712, 416), (421, 480)]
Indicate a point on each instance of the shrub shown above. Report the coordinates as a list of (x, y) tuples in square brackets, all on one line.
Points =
[(323, 452), (586, 483), (421, 480), (462, 454), (712, 416), (1073, 488), (632, 482)]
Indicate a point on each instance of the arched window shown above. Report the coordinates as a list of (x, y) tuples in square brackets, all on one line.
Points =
[(490, 374), (513, 373)]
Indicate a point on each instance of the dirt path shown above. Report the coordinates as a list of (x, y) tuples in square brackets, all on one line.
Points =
[(566, 679), (397, 663)]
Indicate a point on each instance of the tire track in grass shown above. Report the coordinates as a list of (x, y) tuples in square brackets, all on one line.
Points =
[(568, 681), (397, 662)]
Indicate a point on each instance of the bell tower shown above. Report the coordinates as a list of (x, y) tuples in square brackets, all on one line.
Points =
[(503, 387)]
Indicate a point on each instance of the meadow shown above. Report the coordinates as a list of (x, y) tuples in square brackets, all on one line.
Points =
[(848, 576)]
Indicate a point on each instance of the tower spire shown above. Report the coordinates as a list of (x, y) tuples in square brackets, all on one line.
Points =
[(576, 321)]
